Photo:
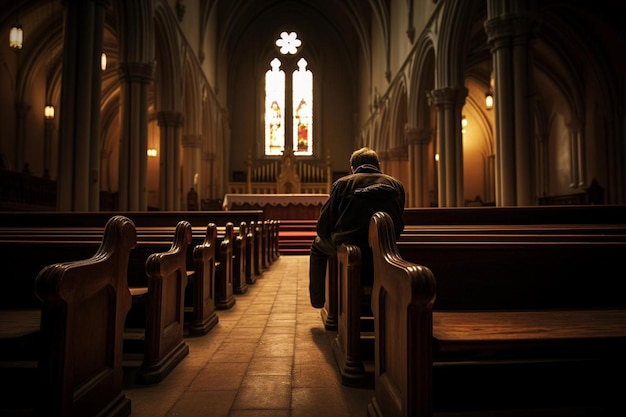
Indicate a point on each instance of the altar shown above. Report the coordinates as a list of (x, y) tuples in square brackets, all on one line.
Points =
[(278, 206)]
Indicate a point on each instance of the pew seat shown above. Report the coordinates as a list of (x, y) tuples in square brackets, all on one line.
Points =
[(528, 328)]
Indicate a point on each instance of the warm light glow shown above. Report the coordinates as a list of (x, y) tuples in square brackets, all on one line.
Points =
[(436, 157), (16, 37), (48, 111), (464, 121), (152, 152), (103, 61), (488, 100), (288, 43)]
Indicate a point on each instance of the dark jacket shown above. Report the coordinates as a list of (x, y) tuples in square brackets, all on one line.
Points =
[(345, 217)]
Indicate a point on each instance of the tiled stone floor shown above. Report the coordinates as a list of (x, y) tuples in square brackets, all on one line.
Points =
[(269, 356)]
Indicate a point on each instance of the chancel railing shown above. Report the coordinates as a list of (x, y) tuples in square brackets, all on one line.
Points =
[(289, 175)]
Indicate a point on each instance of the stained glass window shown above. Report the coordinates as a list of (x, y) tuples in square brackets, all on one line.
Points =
[(302, 105), (274, 109), (288, 97)]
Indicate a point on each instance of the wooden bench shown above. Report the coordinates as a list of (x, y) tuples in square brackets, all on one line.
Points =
[(159, 301), (147, 356), (531, 327), (224, 296), (154, 226), (602, 223), (240, 247), (65, 348), (200, 307), (150, 225), (142, 219)]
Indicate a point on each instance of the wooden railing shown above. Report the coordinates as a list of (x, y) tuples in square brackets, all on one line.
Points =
[(285, 176)]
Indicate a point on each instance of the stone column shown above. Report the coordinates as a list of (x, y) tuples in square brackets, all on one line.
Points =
[(21, 110), (418, 140), (79, 124), (509, 30), (133, 168), (208, 167), (170, 124), (577, 156), (449, 102), (192, 175), (48, 136)]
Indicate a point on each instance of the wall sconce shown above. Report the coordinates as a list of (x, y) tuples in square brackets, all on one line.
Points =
[(16, 37), (463, 123), (48, 111), (103, 61), (489, 100), (152, 152)]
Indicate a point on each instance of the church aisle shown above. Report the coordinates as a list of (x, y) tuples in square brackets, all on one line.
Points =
[(269, 356)]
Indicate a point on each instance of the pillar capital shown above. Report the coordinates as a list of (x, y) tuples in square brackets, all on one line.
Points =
[(398, 154), (418, 135), (504, 30), (447, 96), (192, 141), (170, 118), (136, 71)]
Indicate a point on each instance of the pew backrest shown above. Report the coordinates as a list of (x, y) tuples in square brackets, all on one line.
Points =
[(83, 307)]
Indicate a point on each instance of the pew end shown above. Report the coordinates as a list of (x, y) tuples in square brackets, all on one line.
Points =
[(161, 339), (201, 288), (354, 341), (78, 357), (224, 295)]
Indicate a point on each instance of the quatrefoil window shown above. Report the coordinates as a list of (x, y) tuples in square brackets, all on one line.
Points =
[(288, 43)]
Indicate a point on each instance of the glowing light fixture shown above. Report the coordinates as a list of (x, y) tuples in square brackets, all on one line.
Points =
[(16, 37), (489, 93), (152, 152), (48, 111), (488, 100), (103, 61)]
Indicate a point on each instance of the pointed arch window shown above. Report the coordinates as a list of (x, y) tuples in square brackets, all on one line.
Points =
[(288, 101), (302, 114), (274, 109)]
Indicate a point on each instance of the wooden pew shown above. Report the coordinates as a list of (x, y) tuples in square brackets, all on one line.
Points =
[(74, 367), (240, 283), (147, 358), (250, 254), (200, 292), (142, 219), (528, 215), (431, 223), (355, 330), (159, 300), (80, 226), (435, 246), (224, 298), (531, 327), (257, 228), (150, 224)]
